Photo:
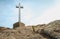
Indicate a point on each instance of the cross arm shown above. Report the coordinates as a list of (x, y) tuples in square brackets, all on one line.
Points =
[(19, 6)]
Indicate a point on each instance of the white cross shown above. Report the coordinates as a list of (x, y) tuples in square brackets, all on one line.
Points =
[(19, 19)]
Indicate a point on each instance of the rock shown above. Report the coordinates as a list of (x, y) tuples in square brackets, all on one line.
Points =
[(3, 28), (44, 31), (52, 29), (22, 34)]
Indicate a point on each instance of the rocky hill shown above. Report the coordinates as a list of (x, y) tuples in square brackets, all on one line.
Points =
[(19, 34), (40, 31), (52, 30)]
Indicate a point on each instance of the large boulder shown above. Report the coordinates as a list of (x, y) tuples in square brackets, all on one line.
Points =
[(52, 29)]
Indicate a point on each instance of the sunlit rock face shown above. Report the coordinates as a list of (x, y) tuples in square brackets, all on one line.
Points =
[(52, 29), (18, 25)]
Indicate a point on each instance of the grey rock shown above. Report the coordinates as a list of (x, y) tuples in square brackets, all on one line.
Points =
[(52, 29)]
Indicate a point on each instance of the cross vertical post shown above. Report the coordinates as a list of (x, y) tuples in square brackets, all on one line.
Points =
[(19, 18)]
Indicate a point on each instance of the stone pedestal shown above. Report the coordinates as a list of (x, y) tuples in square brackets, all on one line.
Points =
[(16, 25)]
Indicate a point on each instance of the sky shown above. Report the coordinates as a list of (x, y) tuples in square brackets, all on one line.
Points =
[(34, 12)]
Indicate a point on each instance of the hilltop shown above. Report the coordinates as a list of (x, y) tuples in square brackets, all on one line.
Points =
[(40, 31)]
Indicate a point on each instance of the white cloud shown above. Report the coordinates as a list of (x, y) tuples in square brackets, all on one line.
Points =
[(26, 14), (50, 14)]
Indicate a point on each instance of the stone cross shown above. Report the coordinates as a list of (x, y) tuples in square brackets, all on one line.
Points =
[(19, 18)]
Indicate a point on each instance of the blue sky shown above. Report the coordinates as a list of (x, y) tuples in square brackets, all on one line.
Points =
[(34, 11)]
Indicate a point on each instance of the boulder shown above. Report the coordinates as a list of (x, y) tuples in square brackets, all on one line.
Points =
[(52, 29)]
